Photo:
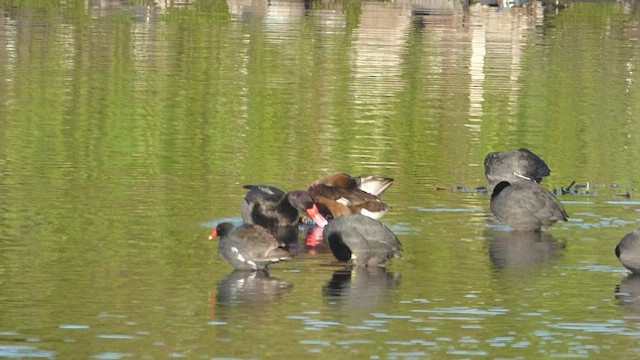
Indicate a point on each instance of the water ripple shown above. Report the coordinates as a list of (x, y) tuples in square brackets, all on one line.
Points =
[(20, 352), (465, 311), (74, 327), (611, 328), (111, 356)]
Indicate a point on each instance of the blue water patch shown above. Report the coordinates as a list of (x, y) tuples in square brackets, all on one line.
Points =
[(403, 228), (467, 353), (465, 311), (112, 356), (237, 221), (376, 322), (360, 327), (624, 203), (21, 352), (74, 327), (591, 327), (499, 226), (603, 268), (411, 342), (387, 316), (417, 354), (472, 327), (521, 344), (108, 315), (601, 223), (353, 342), (501, 339), (217, 323), (422, 301), (115, 336), (321, 324), (314, 342)]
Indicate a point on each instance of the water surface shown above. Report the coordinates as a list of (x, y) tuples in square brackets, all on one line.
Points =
[(127, 130)]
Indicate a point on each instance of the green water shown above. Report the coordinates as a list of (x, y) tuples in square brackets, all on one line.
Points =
[(128, 129)]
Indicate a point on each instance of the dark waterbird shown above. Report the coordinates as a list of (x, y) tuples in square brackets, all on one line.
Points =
[(514, 165), (341, 194), (526, 206), (628, 251), (364, 241), (248, 247), (271, 207)]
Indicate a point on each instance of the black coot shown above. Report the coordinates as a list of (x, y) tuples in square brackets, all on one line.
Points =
[(526, 206), (365, 241), (628, 251), (514, 165)]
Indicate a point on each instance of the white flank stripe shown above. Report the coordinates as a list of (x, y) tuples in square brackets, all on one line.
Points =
[(521, 176), (371, 214)]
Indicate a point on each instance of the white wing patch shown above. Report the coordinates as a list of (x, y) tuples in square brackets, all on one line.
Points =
[(238, 255), (344, 201)]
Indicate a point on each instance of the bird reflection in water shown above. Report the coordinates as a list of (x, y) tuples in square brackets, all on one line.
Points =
[(523, 249), (250, 287), (360, 286), (628, 293), (313, 242)]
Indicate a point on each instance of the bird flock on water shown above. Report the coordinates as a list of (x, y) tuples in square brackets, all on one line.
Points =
[(345, 210)]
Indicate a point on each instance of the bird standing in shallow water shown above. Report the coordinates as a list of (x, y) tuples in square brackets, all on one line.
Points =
[(248, 247), (271, 207), (365, 241), (628, 251), (526, 206), (514, 165)]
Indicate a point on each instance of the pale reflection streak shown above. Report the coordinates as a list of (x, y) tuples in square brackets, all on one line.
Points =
[(246, 9), (498, 37), (476, 68), (376, 58), (8, 56), (284, 12)]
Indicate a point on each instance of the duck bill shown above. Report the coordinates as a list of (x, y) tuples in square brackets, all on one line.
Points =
[(314, 214)]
